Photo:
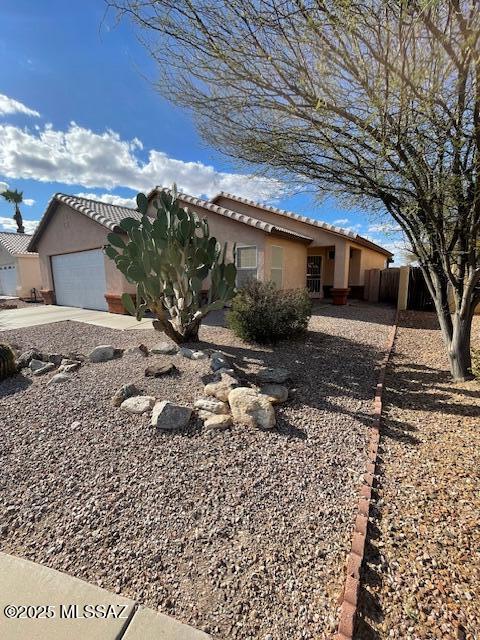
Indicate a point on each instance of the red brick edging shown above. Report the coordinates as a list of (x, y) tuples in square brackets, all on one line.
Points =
[(349, 599)]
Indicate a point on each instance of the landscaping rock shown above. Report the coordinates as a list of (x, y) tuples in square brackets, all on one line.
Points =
[(191, 354), (218, 422), (220, 372), (26, 357), (219, 361), (36, 364), (221, 389), (137, 352), (49, 366), (125, 391), (212, 405), (158, 370), (59, 378), (251, 408), (276, 375), (170, 417), (138, 404), (102, 353), (69, 368), (56, 358), (165, 348), (205, 415), (274, 392)]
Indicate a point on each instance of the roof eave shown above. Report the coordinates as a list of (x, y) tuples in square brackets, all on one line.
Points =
[(283, 233)]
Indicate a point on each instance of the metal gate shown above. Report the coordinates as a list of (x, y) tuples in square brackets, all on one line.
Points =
[(389, 281), (419, 297)]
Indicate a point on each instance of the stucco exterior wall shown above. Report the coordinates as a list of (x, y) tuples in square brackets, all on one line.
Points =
[(294, 262), (369, 260), (69, 231), (28, 275)]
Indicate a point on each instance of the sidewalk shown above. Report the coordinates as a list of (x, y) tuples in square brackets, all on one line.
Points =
[(47, 314), (39, 603)]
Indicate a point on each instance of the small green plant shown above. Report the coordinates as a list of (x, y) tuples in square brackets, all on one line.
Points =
[(169, 258), (476, 363), (261, 313), (8, 367)]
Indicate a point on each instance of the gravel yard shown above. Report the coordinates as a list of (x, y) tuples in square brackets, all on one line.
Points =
[(241, 533), (423, 575)]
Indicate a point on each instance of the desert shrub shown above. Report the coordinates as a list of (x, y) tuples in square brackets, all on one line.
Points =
[(261, 313)]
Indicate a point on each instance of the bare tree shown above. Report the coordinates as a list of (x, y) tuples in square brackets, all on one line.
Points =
[(377, 101)]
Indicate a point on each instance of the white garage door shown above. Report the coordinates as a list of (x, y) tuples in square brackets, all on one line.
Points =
[(8, 280), (79, 279)]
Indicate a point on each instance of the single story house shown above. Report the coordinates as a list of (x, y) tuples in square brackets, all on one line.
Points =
[(291, 250), (19, 269)]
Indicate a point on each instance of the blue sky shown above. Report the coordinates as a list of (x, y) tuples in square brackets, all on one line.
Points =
[(79, 114)]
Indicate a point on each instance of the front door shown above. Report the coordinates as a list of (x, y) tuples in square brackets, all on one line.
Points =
[(314, 273)]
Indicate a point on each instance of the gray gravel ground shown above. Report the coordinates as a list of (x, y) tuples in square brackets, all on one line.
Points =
[(241, 533), (422, 578)]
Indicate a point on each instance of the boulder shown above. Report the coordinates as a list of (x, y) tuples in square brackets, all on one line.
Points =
[(69, 368), (170, 417), (26, 357), (137, 352), (102, 353), (36, 364), (251, 408), (218, 422), (165, 348), (191, 354), (125, 391), (59, 378), (274, 392), (222, 388), (277, 375), (49, 366), (138, 404), (219, 372), (218, 361), (158, 370), (211, 404)]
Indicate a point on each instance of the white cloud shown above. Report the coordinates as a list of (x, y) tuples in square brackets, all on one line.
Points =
[(110, 198), (103, 160), (9, 106), (9, 224), (3, 186), (29, 202), (341, 221), (386, 227)]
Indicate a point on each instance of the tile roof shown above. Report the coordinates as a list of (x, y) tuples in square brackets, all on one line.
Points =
[(311, 221), (234, 215), (108, 215), (15, 243)]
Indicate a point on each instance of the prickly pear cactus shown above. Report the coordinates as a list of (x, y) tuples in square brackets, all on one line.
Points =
[(7, 362), (168, 258)]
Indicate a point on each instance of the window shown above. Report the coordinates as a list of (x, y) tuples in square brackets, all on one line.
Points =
[(246, 262), (276, 273)]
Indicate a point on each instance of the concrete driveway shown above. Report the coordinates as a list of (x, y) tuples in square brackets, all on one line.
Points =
[(47, 314)]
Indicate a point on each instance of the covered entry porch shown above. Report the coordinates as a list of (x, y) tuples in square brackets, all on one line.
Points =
[(335, 271)]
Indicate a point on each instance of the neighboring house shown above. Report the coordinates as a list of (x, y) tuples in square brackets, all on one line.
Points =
[(271, 245), (19, 269)]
